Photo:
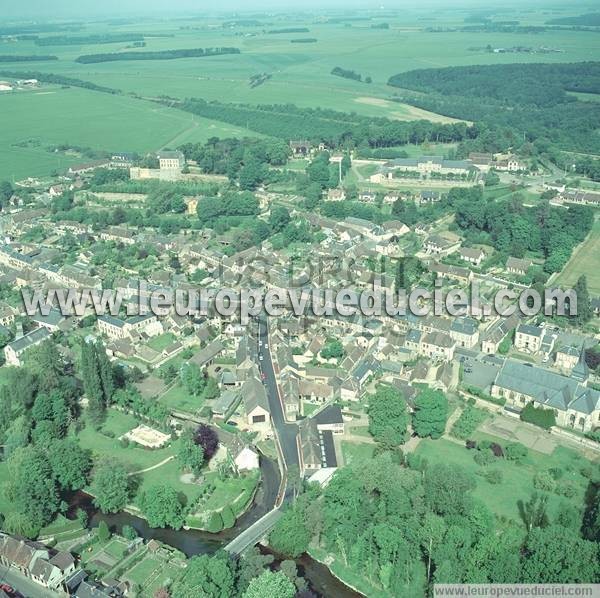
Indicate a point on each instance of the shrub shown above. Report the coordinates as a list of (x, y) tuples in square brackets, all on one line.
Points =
[(556, 473), (483, 457), (544, 481), (566, 489), (544, 418), (468, 422), (494, 476), (515, 451), (215, 523), (228, 517)]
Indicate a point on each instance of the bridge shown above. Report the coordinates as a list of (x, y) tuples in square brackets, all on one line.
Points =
[(255, 533)]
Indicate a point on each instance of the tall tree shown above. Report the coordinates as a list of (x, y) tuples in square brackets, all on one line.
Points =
[(190, 454), (32, 488), (161, 507), (388, 418), (271, 584), (431, 413), (111, 487)]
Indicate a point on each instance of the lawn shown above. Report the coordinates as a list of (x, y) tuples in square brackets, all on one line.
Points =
[(133, 457), (517, 483), (355, 451), (584, 261), (231, 491), (180, 399), (162, 341)]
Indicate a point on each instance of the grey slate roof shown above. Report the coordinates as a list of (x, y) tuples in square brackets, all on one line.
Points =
[(548, 388), (35, 336)]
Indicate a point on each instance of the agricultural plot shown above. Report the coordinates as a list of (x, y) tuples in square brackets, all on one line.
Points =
[(32, 122), (584, 261)]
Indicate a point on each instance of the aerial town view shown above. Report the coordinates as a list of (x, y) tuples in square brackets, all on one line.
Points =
[(299, 299)]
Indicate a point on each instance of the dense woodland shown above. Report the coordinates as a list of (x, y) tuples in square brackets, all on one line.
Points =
[(513, 229), (156, 55), (529, 100)]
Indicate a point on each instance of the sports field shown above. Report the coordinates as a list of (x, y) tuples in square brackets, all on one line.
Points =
[(584, 261)]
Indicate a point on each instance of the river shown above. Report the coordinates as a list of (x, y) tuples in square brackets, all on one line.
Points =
[(192, 541)]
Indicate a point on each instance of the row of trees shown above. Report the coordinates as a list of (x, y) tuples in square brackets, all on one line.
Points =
[(337, 129), (156, 55)]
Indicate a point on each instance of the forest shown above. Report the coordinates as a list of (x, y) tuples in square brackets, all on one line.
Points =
[(527, 99)]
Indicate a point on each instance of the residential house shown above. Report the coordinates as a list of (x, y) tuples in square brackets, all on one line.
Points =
[(440, 245), (518, 266), (437, 345), (256, 406), (528, 338), (461, 275), (567, 358), (15, 349), (465, 331), (471, 255), (336, 194)]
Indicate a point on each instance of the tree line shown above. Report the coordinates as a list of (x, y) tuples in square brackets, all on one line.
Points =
[(26, 58), (337, 129), (156, 55), (58, 80), (338, 71), (79, 40)]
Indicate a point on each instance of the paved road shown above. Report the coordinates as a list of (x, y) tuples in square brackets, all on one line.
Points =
[(286, 432), (287, 435), (26, 586)]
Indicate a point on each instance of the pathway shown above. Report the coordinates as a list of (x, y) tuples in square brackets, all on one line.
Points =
[(152, 466)]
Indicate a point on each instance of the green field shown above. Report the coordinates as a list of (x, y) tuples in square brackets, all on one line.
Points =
[(32, 121), (584, 261)]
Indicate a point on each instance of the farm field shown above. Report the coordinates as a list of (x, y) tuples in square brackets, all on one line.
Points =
[(32, 121), (584, 261)]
